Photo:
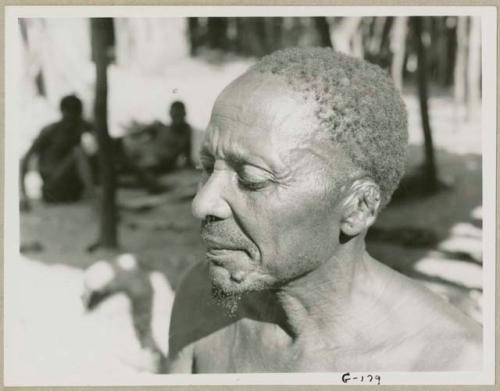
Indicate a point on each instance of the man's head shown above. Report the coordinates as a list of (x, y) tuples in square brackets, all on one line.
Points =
[(177, 112), (300, 153), (71, 107)]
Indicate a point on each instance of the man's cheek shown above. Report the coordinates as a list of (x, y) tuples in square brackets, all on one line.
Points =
[(291, 224), (305, 221)]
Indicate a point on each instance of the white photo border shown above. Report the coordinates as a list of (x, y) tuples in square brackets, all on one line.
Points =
[(488, 15)]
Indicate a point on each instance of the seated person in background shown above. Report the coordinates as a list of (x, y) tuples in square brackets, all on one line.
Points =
[(125, 163), (173, 142), (300, 155), (62, 162), (167, 146), (158, 148), (66, 159)]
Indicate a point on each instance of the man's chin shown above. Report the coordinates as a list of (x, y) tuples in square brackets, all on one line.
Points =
[(223, 282), (234, 280), (228, 291)]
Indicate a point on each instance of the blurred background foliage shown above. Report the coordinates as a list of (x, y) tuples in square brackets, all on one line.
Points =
[(57, 52)]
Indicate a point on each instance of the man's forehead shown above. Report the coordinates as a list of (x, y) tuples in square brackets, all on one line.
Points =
[(261, 101), (254, 90), (241, 143)]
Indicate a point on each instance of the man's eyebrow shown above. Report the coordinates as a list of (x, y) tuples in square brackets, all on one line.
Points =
[(233, 157), (237, 158)]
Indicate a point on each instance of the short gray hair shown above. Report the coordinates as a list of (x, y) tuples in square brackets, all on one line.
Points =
[(357, 104)]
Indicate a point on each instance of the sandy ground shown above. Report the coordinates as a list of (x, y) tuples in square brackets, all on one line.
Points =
[(50, 339), (46, 324)]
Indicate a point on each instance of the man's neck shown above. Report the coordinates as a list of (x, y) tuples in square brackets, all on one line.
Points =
[(322, 302)]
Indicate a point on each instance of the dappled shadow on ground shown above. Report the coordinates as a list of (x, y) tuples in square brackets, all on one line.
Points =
[(431, 216), (131, 304), (159, 229), (412, 234)]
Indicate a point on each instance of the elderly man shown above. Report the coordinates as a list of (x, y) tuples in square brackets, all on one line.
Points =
[(301, 153)]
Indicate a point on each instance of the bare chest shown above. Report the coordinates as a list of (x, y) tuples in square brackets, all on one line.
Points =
[(244, 346), (248, 346)]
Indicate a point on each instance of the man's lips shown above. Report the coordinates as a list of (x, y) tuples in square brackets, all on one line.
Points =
[(220, 251), (216, 243), (220, 257), (226, 254), (231, 261)]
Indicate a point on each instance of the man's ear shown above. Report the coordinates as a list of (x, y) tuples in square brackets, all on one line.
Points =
[(360, 207)]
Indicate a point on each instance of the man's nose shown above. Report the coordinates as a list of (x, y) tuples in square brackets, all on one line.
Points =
[(210, 201)]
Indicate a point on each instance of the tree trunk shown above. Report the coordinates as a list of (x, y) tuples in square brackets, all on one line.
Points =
[(451, 48), (430, 169), (474, 66), (384, 42), (344, 36), (376, 35), (101, 44), (216, 32), (441, 50), (323, 29), (277, 28), (259, 27), (398, 43), (194, 34), (357, 43), (461, 61)]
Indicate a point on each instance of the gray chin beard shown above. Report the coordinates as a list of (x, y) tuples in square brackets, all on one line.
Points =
[(229, 301)]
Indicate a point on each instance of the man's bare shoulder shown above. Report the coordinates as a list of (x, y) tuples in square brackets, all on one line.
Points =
[(195, 314), (451, 340), (444, 337), (457, 350)]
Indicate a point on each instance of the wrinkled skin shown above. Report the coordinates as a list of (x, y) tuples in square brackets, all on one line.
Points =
[(275, 201), (269, 188)]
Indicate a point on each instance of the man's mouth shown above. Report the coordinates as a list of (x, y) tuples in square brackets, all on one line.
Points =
[(225, 251), (218, 246), (221, 256)]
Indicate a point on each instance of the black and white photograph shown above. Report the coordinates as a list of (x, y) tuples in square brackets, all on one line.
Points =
[(249, 195)]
